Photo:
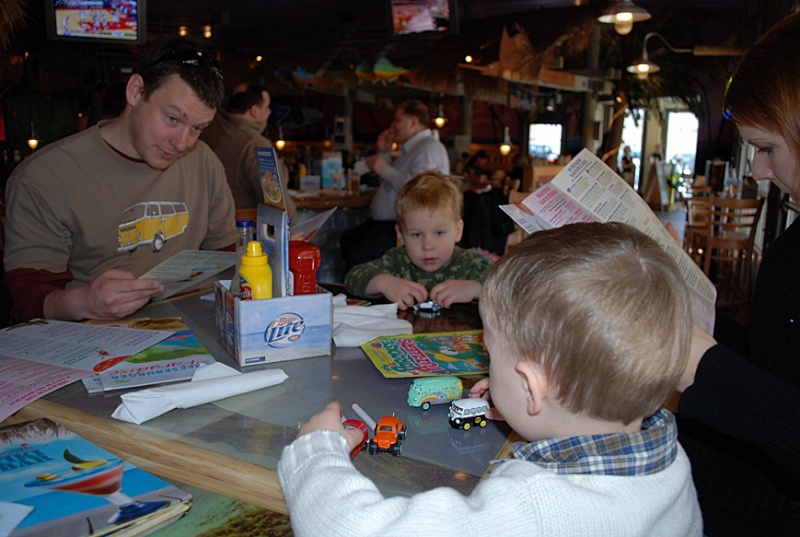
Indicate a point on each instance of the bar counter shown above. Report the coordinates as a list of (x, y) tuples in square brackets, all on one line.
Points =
[(327, 198), (232, 447)]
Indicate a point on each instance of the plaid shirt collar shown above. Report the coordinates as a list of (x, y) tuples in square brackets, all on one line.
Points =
[(644, 452)]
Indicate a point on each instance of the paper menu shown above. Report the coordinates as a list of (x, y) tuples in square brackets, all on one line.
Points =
[(41, 356), (80, 346), (587, 190), (173, 359), (186, 268)]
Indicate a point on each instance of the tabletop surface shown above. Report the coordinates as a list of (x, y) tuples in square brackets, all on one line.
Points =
[(245, 435)]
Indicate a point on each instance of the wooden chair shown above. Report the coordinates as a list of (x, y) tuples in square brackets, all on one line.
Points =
[(696, 221), (694, 232), (727, 244)]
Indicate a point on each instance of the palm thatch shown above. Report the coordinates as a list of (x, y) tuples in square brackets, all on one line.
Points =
[(28, 429), (538, 34)]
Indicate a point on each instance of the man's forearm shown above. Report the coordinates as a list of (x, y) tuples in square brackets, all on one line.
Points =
[(29, 289)]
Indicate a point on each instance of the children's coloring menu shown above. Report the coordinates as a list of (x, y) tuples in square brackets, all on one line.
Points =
[(427, 355)]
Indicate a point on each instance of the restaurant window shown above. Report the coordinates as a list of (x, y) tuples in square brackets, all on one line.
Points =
[(544, 141), (633, 136), (681, 148)]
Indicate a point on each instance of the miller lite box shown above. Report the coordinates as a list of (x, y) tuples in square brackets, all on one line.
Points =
[(273, 329), (284, 327)]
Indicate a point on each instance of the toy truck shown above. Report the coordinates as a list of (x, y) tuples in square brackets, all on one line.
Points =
[(465, 413), (427, 391), (389, 435)]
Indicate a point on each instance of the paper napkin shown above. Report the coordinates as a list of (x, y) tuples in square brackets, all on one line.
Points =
[(355, 325), (209, 383)]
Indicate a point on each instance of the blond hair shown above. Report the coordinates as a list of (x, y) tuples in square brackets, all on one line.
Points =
[(430, 191), (602, 308)]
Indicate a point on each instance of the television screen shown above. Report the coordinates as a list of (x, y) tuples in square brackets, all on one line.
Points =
[(106, 21), (417, 16)]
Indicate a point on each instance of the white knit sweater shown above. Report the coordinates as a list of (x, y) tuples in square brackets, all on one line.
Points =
[(327, 496)]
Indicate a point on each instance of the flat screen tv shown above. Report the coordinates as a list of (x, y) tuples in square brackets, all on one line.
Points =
[(422, 16), (98, 21)]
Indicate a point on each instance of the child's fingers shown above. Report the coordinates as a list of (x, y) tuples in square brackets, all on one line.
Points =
[(354, 438), (493, 414), (480, 389), (329, 419)]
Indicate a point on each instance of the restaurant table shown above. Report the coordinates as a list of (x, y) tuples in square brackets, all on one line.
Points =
[(232, 447)]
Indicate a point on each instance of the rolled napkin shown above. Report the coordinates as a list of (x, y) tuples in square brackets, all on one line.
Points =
[(209, 383), (355, 325)]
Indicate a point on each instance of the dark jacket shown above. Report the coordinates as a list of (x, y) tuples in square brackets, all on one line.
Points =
[(740, 420)]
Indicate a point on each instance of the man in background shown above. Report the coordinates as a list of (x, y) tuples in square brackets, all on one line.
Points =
[(234, 136), (420, 152)]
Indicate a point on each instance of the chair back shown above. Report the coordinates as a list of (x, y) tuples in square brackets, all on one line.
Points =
[(729, 237), (697, 212), (732, 222)]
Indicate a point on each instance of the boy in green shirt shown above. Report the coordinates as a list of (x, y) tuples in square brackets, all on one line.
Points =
[(428, 265)]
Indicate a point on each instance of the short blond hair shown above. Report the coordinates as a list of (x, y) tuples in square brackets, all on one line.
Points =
[(602, 308), (431, 191)]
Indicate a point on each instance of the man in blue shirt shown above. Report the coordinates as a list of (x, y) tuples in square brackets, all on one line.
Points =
[(421, 151)]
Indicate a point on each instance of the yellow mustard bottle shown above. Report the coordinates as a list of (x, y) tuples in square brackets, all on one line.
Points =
[(255, 275)]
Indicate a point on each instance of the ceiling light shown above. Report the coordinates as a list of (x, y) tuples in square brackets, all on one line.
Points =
[(623, 26), (183, 31), (505, 147), (280, 143), (33, 141), (643, 66), (207, 31), (440, 120), (622, 15)]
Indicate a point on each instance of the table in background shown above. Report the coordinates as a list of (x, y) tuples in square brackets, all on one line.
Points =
[(232, 447)]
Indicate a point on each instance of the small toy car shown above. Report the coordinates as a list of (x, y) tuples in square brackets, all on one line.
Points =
[(360, 425), (389, 435), (427, 391), (428, 309), (465, 413)]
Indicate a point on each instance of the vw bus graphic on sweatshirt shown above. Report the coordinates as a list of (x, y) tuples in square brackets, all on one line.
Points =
[(152, 222)]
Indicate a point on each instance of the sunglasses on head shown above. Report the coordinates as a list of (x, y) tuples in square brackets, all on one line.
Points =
[(195, 58), (727, 113)]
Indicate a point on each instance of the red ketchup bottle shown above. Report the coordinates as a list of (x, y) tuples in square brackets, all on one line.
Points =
[(304, 260)]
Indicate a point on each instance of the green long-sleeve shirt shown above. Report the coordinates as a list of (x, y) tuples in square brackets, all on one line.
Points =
[(465, 265)]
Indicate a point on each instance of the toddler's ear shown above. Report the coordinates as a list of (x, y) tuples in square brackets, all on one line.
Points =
[(399, 235), (534, 383), (459, 229)]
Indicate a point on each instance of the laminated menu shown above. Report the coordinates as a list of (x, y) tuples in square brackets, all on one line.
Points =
[(587, 190), (56, 483), (170, 360), (426, 355)]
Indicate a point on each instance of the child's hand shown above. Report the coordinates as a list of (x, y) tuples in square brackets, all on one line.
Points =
[(330, 419), (450, 292), (673, 232), (481, 390), (405, 292)]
